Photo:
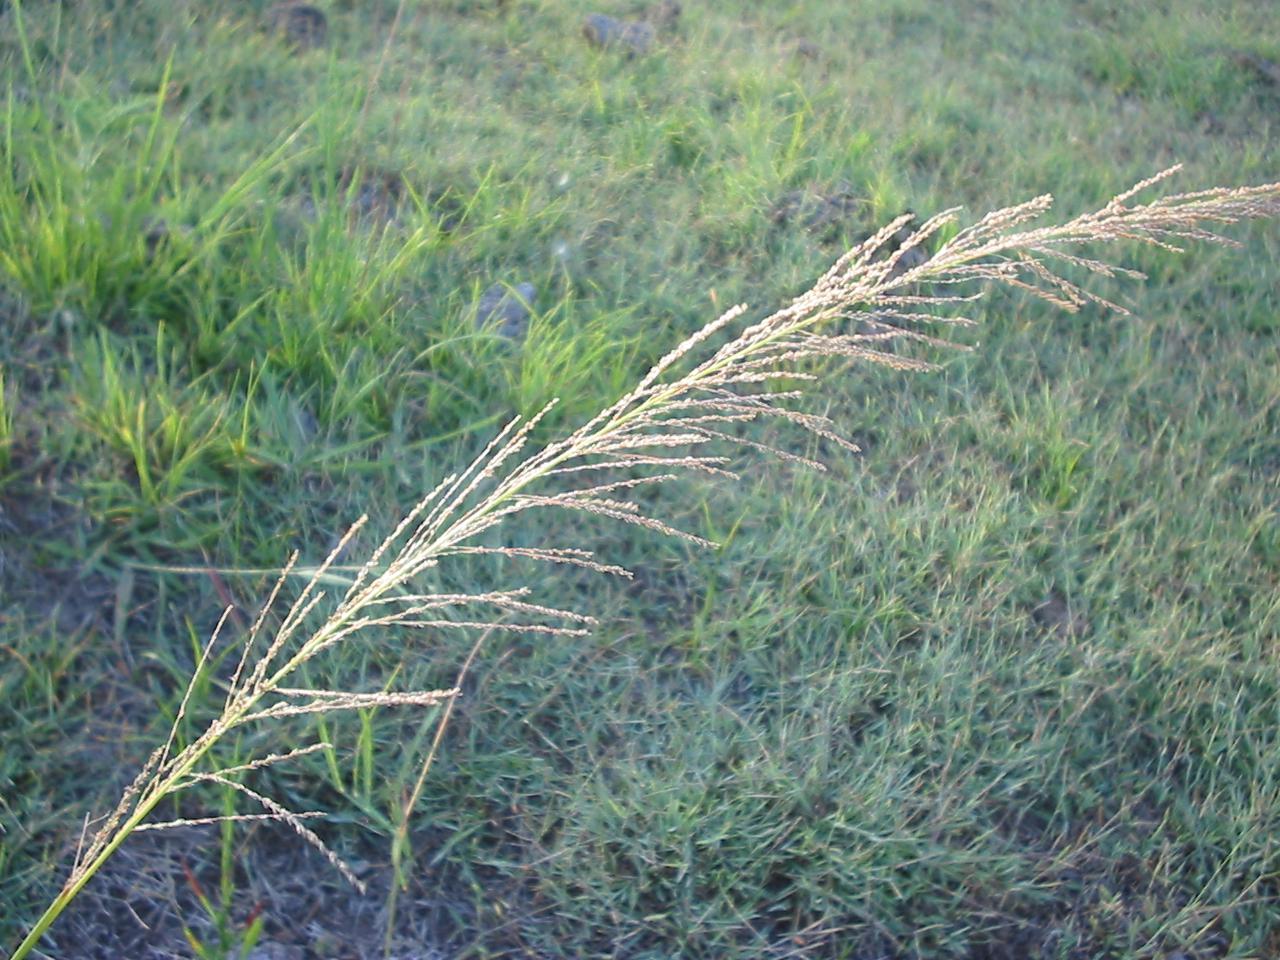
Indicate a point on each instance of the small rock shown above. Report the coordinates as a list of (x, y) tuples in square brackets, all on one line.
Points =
[(508, 307), (1056, 614), (633, 36), (304, 26), (789, 206), (665, 14), (292, 218), (1267, 70), (449, 208), (376, 200), (156, 233), (375, 197), (905, 488), (1211, 123), (822, 214), (833, 210), (807, 50), (910, 259)]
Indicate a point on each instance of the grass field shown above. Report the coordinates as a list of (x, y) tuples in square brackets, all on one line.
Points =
[(1002, 686)]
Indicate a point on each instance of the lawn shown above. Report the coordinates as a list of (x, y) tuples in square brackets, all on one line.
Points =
[(1002, 685)]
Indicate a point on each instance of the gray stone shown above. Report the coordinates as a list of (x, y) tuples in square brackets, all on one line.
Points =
[(1056, 614), (806, 49), (302, 25), (666, 14), (632, 36), (1267, 71), (909, 260), (156, 233), (826, 215), (377, 200), (507, 308)]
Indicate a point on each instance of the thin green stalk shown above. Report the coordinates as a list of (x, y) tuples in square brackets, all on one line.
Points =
[(400, 842), (23, 43), (72, 889)]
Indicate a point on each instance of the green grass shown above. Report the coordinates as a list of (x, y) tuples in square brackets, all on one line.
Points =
[(1002, 686)]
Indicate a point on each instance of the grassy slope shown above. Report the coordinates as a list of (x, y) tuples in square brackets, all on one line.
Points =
[(1003, 686)]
